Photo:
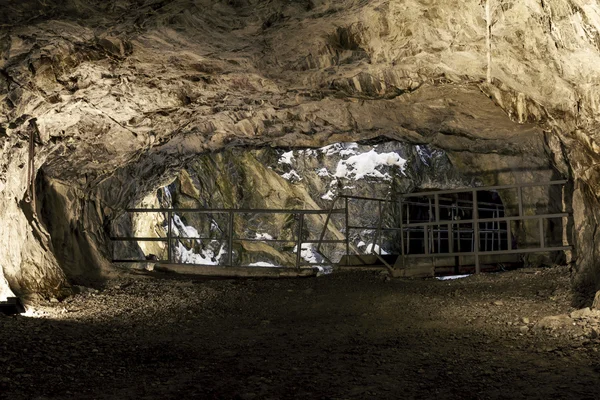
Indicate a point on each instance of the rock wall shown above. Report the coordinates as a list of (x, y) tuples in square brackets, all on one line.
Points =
[(78, 228), (128, 91), (28, 264)]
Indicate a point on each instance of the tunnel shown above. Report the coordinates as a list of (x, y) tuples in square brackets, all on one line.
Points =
[(272, 199)]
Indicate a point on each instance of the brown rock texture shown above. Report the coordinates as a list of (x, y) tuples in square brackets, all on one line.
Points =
[(126, 91)]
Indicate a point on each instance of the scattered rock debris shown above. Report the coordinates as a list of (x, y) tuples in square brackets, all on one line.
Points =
[(347, 335)]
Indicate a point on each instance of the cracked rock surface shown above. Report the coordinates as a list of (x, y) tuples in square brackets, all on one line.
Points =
[(127, 91)]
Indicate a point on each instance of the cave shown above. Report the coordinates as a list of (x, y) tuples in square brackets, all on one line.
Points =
[(265, 199)]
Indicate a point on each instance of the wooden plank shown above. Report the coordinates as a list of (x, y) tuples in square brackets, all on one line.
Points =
[(235, 272)]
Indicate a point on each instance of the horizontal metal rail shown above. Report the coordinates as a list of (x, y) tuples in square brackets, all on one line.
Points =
[(233, 210), (464, 190), (484, 220), (490, 252)]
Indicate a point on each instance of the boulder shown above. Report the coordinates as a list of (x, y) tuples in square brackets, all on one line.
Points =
[(583, 313), (554, 322), (596, 303)]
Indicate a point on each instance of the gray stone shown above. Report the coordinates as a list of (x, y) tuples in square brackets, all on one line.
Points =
[(524, 329), (554, 322), (596, 303), (583, 313)]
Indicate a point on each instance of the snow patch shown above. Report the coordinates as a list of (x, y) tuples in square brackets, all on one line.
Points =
[(343, 149), (324, 269), (450, 277), (323, 172), (263, 264), (328, 196), (167, 195), (189, 256), (291, 175), (307, 152), (263, 236), (286, 158), (206, 257), (423, 155), (178, 228), (308, 253), (374, 248), (364, 165)]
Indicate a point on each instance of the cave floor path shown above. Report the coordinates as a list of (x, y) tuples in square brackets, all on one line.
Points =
[(349, 335)]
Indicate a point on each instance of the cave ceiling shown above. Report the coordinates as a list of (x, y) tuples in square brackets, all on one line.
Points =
[(126, 83)]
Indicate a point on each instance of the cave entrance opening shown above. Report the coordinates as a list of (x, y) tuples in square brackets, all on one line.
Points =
[(462, 230), (215, 239), (424, 232)]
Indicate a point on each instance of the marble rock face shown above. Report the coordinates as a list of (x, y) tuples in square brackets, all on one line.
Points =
[(125, 92)]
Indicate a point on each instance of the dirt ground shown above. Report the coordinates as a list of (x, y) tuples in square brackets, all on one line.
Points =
[(349, 335)]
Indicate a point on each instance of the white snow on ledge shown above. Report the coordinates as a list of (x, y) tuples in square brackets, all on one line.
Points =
[(291, 175), (344, 149), (328, 196), (263, 264), (450, 277), (365, 165), (371, 248), (263, 236), (286, 158), (188, 256)]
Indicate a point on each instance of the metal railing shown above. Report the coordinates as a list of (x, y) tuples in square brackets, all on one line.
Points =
[(442, 237), (440, 234), (231, 238)]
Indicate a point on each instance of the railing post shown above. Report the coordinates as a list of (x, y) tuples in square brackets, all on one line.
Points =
[(476, 232), (170, 221), (520, 199), (347, 233), (450, 238), (542, 234), (377, 237), (230, 240), (299, 240), (508, 235), (402, 252), (408, 229)]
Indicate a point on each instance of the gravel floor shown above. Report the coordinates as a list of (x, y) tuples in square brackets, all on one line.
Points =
[(349, 335)]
